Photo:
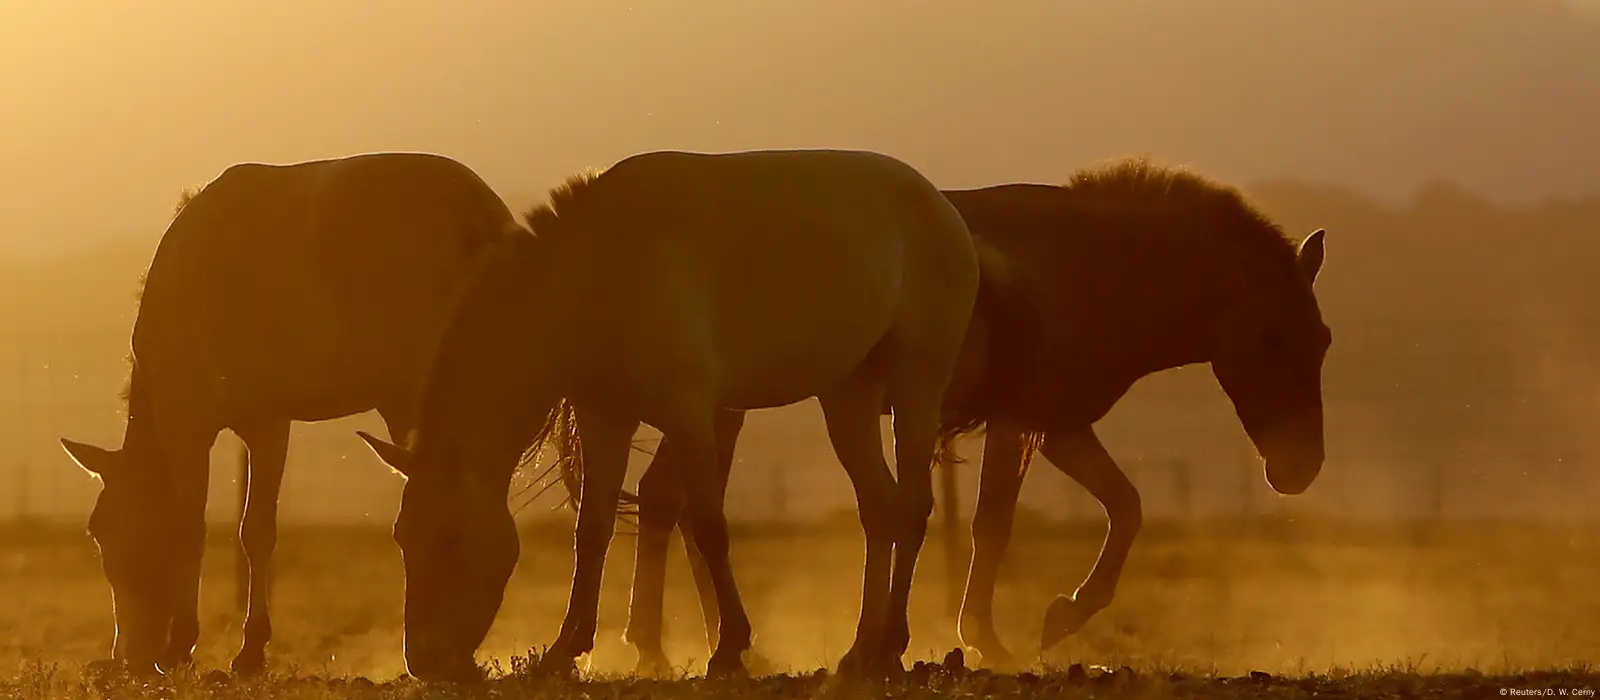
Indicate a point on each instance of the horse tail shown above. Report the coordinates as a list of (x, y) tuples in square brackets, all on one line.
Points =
[(1010, 315), (560, 435), (1010, 312)]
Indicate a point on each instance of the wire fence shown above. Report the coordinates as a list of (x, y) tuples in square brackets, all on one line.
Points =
[(1467, 443)]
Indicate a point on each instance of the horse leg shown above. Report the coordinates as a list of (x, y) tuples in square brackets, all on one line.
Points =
[(605, 446), (704, 445), (916, 426), (268, 444), (190, 460), (661, 502), (729, 424), (1005, 465), (852, 412), (1079, 454), (704, 587)]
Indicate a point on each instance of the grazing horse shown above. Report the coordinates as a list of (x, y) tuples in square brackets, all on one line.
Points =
[(279, 293), (1134, 269), (675, 289)]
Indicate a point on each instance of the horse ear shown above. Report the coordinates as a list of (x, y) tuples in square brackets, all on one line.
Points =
[(98, 461), (398, 458), (1311, 254)]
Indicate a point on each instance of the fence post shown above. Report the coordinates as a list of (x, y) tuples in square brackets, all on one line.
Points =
[(1181, 486), (780, 495)]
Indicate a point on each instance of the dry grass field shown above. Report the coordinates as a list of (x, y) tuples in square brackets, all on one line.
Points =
[(1316, 610)]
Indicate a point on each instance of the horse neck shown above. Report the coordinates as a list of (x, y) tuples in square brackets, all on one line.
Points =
[(139, 435), (477, 383), (1171, 305)]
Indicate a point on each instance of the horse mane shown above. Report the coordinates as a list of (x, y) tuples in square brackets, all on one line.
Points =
[(184, 198), (1138, 181), (1006, 301), (547, 220), (1004, 298), (125, 393), (560, 434)]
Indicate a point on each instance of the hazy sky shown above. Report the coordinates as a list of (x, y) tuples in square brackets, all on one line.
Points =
[(109, 108)]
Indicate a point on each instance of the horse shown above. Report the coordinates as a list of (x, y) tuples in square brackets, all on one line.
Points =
[(280, 292), (666, 290), (1135, 268)]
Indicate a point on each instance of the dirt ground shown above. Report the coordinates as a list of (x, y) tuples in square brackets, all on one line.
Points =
[(1330, 610)]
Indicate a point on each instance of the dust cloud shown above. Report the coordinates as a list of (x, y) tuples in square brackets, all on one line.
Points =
[(1447, 147)]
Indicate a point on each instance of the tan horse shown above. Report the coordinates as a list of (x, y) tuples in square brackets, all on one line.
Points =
[(280, 293), (1134, 269), (667, 289)]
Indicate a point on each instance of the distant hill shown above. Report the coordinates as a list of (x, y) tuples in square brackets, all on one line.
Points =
[(1380, 96)]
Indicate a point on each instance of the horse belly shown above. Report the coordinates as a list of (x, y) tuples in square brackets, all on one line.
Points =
[(295, 374), (787, 371), (281, 345), (312, 292), (788, 340)]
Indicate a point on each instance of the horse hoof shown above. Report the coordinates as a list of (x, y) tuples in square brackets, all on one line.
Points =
[(174, 661), (850, 665), (891, 669), (652, 665), (870, 667), (995, 657), (758, 664), (470, 674), (726, 667), (1063, 619), (894, 649), (248, 664), (558, 664)]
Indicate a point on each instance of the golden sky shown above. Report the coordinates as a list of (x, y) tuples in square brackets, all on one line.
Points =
[(108, 108)]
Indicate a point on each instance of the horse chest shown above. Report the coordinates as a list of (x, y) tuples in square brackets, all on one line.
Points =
[(1085, 391)]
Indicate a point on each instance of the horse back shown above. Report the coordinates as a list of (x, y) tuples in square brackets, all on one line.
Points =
[(1109, 287), (773, 264), (309, 288)]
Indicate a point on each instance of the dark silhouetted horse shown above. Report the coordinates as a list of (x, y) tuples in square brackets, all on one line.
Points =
[(665, 290), (1132, 269), (279, 293)]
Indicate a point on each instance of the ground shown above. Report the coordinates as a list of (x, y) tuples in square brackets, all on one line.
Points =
[(1314, 609)]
